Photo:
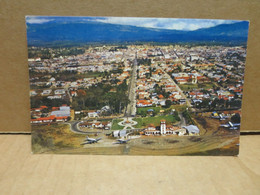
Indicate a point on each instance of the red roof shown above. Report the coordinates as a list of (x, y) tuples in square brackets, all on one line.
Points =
[(160, 96), (62, 117), (52, 117)]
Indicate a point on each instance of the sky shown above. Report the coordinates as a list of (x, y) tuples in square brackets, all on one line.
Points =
[(160, 23)]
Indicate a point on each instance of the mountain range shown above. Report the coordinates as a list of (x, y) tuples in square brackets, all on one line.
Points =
[(87, 32)]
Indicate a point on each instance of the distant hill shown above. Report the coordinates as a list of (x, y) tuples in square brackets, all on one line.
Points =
[(60, 32)]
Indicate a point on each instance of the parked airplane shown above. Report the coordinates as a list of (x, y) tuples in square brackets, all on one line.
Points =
[(90, 140), (231, 125), (121, 141)]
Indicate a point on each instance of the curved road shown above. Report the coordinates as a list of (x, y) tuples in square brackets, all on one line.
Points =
[(74, 128)]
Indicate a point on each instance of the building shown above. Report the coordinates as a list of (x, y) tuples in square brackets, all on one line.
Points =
[(59, 92), (151, 130), (119, 133), (163, 127), (192, 130), (92, 114), (63, 111), (49, 119)]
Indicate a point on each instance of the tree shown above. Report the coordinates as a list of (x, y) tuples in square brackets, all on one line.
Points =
[(82, 95), (236, 118), (168, 103), (75, 105)]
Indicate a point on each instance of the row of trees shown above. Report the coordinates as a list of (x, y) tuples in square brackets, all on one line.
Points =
[(218, 104), (48, 53), (144, 61), (100, 95), (38, 101)]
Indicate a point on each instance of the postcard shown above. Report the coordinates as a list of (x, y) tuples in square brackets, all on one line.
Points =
[(136, 86)]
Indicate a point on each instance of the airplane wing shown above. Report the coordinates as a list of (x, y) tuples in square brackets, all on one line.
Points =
[(98, 139), (87, 142)]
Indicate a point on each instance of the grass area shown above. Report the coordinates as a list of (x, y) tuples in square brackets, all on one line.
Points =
[(75, 76), (143, 122), (54, 137), (186, 87), (156, 109), (115, 125), (139, 122), (179, 108), (91, 74)]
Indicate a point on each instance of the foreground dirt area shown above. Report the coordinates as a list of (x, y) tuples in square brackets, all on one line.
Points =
[(59, 139)]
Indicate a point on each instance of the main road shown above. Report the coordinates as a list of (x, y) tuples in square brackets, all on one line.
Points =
[(131, 106)]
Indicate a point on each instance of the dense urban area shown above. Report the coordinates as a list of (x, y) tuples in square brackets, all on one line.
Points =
[(130, 99)]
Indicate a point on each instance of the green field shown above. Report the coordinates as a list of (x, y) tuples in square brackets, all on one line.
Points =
[(156, 109), (145, 121), (115, 125), (179, 108)]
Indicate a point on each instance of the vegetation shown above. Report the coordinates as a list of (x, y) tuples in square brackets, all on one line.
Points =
[(98, 96), (236, 118), (144, 61), (160, 91), (188, 117), (54, 137), (156, 120), (73, 75), (218, 104), (47, 53), (188, 87), (143, 111), (115, 125), (38, 101)]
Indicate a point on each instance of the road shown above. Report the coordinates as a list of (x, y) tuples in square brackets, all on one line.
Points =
[(131, 107), (74, 128), (177, 87), (182, 121), (66, 88)]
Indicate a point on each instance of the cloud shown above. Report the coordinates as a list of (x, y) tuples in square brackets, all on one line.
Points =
[(159, 23), (164, 23), (37, 20)]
